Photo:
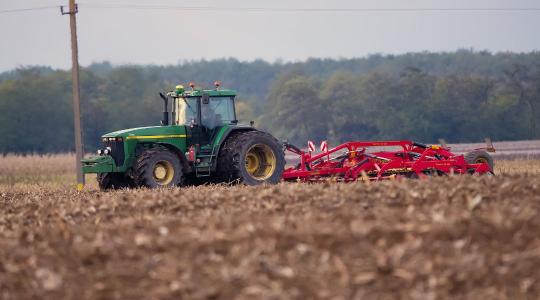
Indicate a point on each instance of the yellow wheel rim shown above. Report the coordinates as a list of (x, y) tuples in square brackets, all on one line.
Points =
[(252, 163), (163, 172), (260, 161)]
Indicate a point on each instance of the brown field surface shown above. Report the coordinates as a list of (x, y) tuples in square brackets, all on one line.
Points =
[(456, 237)]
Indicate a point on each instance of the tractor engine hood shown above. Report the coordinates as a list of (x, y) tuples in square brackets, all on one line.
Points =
[(153, 132), (119, 153)]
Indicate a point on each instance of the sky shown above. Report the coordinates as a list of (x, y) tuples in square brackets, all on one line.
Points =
[(168, 32)]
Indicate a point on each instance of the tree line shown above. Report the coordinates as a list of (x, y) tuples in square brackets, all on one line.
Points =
[(460, 96), (411, 105)]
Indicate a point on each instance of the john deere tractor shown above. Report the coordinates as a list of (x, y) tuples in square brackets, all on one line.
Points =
[(199, 140)]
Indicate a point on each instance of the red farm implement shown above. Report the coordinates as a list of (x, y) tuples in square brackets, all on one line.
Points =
[(384, 160)]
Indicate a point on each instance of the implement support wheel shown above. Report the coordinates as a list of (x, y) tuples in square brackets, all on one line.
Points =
[(478, 157)]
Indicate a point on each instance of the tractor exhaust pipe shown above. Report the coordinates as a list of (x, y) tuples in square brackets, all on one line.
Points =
[(165, 120)]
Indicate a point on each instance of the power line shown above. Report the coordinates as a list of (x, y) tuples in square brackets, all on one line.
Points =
[(27, 9), (301, 9), (284, 9)]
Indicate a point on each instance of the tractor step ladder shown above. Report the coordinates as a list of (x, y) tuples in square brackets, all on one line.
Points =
[(205, 169)]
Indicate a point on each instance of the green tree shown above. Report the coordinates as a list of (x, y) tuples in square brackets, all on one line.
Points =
[(348, 110), (297, 112), (524, 82), (36, 113)]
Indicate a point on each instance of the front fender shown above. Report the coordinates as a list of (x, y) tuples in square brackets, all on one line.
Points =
[(98, 164)]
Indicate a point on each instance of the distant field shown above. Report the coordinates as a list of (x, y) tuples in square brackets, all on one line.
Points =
[(53, 169), (457, 237), (505, 150)]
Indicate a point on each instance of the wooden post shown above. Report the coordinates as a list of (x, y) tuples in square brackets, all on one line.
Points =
[(79, 148)]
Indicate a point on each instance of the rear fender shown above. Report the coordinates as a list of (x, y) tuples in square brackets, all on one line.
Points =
[(219, 143)]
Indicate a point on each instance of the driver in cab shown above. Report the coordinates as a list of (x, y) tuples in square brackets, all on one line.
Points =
[(209, 117)]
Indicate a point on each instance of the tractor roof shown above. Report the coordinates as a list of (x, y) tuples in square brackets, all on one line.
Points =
[(211, 93)]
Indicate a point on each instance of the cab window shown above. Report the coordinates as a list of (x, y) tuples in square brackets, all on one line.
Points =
[(186, 111), (217, 112)]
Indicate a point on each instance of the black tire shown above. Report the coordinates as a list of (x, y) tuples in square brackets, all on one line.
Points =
[(479, 156), (113, 181), (153, 159), (234, 153)]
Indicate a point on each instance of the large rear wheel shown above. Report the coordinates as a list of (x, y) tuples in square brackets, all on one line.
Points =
[(158, 168), (251, 157)]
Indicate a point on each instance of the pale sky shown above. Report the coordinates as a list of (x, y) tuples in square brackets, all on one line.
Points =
[(169, 36)]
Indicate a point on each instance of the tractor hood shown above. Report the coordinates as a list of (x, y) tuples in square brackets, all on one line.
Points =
[(149, 132)]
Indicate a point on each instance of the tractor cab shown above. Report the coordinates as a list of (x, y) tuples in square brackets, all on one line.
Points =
[(206, 111), (203, 112)]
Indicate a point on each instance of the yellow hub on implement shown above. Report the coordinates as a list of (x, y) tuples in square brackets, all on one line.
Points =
[(260, 161), (163, 172), (481, 160)]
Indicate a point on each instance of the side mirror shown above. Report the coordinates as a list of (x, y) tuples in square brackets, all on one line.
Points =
[(162, 96), (205, 99)]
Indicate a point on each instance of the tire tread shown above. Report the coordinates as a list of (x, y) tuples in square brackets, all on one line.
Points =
[(229, 162), (140, 175)]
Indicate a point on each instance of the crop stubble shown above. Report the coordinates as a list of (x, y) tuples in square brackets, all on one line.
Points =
[(459, 237)]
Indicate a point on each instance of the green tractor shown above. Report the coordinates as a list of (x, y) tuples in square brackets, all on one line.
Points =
[(200, 142)]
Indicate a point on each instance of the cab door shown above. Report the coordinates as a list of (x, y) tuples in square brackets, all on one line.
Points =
[(198, 133)]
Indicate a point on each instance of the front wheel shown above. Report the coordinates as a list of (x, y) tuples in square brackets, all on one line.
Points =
[(252, 157), (113, 181), (158, 168)]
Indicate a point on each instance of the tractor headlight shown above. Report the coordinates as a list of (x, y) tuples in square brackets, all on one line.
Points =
[(111, 139), (107, 151), (99, 152)]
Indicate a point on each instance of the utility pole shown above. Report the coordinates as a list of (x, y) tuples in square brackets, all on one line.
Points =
[(73, 9)]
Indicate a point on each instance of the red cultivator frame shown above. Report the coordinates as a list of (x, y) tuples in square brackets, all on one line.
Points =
[(353, 160)]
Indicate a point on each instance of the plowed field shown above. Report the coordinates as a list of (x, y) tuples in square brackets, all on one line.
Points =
[(440, 238)]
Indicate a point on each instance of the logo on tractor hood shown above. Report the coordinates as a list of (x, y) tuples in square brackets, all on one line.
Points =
[(153, 132), (139, 137)]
